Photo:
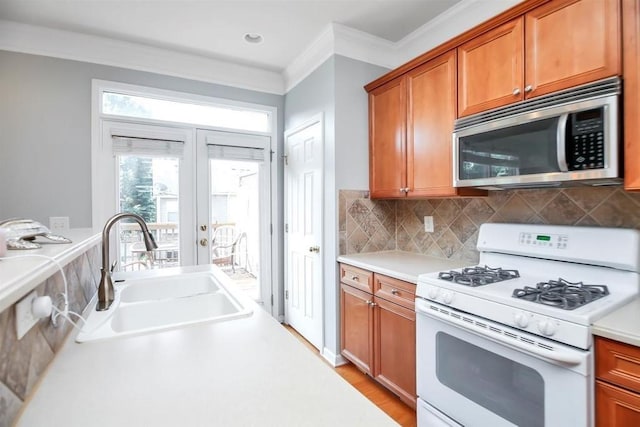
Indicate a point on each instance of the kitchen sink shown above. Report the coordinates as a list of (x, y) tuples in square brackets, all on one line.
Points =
[(168, 287), (148, 304)]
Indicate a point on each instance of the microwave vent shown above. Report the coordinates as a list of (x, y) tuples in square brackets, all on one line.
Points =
[(602, 88)]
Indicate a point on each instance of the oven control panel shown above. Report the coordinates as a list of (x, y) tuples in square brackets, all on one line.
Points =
[(557, 241)]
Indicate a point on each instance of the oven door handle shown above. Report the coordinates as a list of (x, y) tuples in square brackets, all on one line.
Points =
[(556, 355)]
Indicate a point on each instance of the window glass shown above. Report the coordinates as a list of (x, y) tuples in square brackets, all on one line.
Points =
[(209, 115), (149, 188)]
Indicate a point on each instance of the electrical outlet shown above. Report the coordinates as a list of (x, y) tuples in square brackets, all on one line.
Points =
[(428, 224), (24, 317), (59, 224)]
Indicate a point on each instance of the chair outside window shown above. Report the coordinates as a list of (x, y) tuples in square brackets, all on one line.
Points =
[(227, 247)]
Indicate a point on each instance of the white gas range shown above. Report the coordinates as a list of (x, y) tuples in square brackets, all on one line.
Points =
[(509, 342)]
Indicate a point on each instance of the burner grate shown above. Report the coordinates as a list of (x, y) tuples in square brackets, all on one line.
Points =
[(478, 276), (562, 294)]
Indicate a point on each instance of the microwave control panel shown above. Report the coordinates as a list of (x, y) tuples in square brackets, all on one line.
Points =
[(585, 140)]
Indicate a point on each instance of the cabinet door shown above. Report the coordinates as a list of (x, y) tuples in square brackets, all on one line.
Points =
[(490, 69), (616, 406), (431, 113), (356, 325), (569, 43), (395, 349), (387, 133), (631, 72)]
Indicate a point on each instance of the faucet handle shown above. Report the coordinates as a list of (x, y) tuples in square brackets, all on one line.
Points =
[(113, 266)]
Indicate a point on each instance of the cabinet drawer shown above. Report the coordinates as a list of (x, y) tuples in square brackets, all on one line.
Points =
[(394, 290), (356, 277), (618, 363)]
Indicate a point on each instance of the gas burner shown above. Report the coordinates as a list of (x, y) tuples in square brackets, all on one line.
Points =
[(562, 293), (478, 276)]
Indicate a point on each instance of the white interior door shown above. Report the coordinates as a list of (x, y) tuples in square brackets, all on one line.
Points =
[(234, 208), (303, 228)]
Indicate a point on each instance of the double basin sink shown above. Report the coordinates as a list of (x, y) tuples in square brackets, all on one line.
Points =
[(147, 304)]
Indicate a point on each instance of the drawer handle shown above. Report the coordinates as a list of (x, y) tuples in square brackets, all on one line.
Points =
[(372, 304), (395, 292), (356, 278)]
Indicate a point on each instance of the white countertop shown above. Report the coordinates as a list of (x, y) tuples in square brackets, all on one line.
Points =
[(244, 372), (622, 325), (405, 266), (20, 273)]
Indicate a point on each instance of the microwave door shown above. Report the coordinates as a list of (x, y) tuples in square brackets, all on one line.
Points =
[(528, 148)]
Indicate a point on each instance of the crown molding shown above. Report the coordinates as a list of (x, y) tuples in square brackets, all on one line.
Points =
[(363, 46), (314, 55), (36, 40)]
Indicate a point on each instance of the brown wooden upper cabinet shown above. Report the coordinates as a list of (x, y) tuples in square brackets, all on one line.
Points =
[(558, 45), (410, 125)]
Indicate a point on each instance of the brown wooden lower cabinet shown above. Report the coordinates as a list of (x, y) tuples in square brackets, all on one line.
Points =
[(616, 406), (379, 334), (617, 384)]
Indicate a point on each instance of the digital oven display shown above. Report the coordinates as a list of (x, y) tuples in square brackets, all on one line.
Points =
[(543, 238)]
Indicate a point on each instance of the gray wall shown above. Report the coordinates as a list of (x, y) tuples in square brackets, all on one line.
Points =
[(352, 122), (336, 89), (45, 130)]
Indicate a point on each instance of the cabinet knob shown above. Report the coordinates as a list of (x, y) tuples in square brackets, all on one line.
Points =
[(528, 88), (373, 304), (404, 189), (356, 278), (516, 91), (395, 292), (203, 242)]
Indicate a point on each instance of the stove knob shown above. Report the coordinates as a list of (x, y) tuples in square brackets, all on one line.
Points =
[(447, 297), (433, 293), (547, 327), (521, 319)]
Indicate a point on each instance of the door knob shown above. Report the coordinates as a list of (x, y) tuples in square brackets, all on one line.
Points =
[(315, 249), (203, 242)]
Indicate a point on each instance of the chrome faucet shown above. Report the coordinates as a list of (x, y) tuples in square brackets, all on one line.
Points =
[(105, 288)]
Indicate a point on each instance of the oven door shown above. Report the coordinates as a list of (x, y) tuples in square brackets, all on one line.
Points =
[(477, 380)]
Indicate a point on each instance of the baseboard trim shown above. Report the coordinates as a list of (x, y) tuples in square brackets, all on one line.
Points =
[(333, 359)]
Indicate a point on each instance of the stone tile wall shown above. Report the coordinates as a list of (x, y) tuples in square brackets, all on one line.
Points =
[(374, 225), (23, 361)]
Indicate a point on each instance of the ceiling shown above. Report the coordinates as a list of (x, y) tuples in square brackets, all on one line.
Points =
[(215, 29)]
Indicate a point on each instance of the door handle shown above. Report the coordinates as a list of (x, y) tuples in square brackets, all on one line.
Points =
[(203, 242), (315, 249), (203, 227)]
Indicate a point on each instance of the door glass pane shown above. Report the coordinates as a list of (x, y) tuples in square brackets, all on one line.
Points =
[(235, 221), (149, 188), (519, 150), (511, 390)]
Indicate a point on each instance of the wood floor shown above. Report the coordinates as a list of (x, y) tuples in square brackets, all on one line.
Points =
[(380, 396)]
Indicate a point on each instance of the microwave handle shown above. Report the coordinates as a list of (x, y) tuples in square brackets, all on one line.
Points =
[(561, 139)]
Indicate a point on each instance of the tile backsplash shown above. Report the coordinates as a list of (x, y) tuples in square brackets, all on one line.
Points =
[(23, 361), (367, 225)]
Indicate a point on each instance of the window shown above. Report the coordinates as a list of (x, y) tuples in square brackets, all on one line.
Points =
[(120, 104)]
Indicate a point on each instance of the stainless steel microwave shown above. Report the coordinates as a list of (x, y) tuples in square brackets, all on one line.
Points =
[(564, 139)]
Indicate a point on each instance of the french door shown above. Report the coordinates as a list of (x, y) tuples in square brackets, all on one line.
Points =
[(234, 208), (206, 196)]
